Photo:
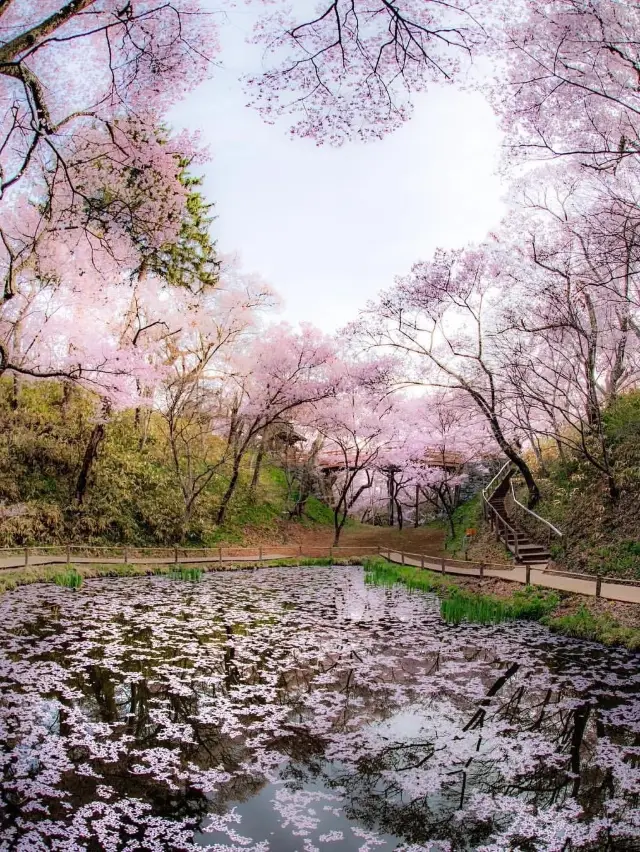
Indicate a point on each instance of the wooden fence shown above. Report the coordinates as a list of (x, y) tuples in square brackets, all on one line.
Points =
[(611, 588), (606, 587), (15, 557)]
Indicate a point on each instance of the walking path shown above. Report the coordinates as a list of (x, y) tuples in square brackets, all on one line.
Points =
[(19, 561), (605, 587), (579, 584)]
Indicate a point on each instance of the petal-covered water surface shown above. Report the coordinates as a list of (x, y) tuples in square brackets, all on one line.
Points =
[(294, 710)]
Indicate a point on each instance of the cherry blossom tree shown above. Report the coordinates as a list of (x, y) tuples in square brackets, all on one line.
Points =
[(444, 438), (443, 318), (204, 332), (280, 374), (571, 82), (89, 180), (359, 423), (575, 353), (349, 71)]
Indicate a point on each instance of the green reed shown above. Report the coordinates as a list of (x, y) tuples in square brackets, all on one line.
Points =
[(70, 578), (181, 572)]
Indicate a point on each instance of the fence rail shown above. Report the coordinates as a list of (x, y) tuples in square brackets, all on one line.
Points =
[(15, 557), (611, 588), (524, 512)]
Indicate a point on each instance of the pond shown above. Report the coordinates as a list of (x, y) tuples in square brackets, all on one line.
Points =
[(301, 709)]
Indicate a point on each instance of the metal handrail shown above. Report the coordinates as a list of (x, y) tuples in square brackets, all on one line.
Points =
[(534, 514), (499, 520), (485, 490)]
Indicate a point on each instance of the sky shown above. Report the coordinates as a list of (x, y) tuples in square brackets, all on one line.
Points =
[(329, 228)]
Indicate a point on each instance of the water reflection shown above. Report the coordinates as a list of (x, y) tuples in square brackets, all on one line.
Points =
[(299, 709)]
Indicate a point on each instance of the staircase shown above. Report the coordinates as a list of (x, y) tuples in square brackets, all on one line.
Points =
[(507, 528)]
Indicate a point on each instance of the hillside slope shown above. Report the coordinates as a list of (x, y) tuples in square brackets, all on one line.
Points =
[(132, 493), (600, 535)]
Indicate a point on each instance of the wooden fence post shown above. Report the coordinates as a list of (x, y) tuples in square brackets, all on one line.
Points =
[(260, 554), (402, 556), (528, 574), (598, 586), (175, 555), (442, 564), (422, 561), (300, 550), (482, 569), (68, 554), (26, 556), (331, 553), (126, 554), (220, 556)]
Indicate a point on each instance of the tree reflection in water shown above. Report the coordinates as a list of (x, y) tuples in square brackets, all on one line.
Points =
[(311, 709)]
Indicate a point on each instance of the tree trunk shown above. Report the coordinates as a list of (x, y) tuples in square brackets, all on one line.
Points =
[(338, 525), (523, 467), (451, 524), (222, 511), (399, 513), (90, 455), (15, 393), (520, 463), (416, 521), (508, 449), (67, 389), (614, 491), (256, 468)]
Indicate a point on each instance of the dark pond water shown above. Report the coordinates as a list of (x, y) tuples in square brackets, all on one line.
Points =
[(296, 710)]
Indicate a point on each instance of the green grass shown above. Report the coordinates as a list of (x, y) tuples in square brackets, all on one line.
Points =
[(584, 624), (182, 572), (457, 604), (70, 578), (318, 512), (468, 515), (379, 572), (12, 578), (479, 609), (532, 603), (134, 496)]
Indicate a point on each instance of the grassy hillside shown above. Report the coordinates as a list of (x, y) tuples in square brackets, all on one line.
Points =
[(600, 535), (133, 494)]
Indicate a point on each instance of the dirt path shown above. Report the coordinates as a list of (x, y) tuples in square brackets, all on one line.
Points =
[(421, 539)]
